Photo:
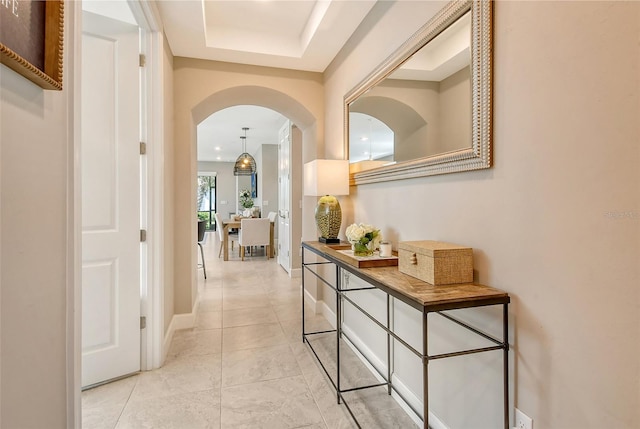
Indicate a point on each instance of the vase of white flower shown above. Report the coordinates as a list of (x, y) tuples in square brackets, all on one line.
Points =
[(364, 239), (245, 199)]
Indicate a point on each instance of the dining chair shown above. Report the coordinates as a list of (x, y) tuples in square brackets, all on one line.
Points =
[(272, 218), (202, 225), (254, 232), (219, 228)]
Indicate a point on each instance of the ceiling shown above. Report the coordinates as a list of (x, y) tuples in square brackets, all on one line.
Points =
[(301, 35), (293, 34), (219, 135)]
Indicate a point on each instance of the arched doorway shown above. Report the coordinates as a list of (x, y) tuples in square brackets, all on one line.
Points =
[(185, 222)]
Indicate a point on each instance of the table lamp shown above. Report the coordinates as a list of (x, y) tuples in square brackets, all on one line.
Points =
[(326, 178)]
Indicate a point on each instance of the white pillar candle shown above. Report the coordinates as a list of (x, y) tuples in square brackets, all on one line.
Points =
[(385, 249)]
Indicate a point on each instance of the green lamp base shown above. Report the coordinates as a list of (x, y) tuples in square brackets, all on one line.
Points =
[(328, 219)]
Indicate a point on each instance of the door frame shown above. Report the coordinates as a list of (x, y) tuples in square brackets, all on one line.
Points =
[(152, 198)]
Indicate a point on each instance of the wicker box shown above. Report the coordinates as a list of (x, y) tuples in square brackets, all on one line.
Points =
[(436, 262)]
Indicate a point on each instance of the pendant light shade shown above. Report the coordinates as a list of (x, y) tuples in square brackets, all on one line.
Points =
[(245, 164)]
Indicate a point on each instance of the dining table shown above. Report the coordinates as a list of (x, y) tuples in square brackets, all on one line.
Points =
[(228, 224)]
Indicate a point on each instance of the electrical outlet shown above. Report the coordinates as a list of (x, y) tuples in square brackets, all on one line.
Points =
[(523, 421)]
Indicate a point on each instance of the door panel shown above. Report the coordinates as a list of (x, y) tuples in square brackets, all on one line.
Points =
[(110, 200), (100, 319), (284, 258)]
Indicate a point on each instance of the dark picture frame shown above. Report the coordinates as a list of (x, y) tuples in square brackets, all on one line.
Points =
[(32, 40), (254, 185)]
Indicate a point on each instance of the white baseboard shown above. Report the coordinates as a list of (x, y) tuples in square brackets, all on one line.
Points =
[(295, 273), (179, 321), (168, 337), (372, 361), (323, 308), (411, 398), (311, 301)]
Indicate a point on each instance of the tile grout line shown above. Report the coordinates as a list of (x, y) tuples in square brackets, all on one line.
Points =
[(125, 403)]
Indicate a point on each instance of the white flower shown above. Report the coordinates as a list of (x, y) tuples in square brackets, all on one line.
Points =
[(367, 228), (364, 234), (245, 199), (354, 233)]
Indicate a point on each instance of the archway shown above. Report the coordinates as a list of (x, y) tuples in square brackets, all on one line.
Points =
[(185, 222)]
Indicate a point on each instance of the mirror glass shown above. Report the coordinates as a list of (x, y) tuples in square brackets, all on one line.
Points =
[(413, 116)]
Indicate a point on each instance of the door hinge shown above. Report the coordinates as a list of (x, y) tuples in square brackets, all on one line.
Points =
[(143, 60), (143, 322), (143, 148), (143, 235)]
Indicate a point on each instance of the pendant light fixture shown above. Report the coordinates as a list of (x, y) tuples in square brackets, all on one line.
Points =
[(245, 164)]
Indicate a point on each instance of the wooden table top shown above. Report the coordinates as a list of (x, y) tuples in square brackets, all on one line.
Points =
[(415, 292)]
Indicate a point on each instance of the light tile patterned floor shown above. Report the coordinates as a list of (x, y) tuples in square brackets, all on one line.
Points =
[(242, 366)]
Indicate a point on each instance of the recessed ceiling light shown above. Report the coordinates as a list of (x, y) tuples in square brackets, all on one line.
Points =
[(217, 148)]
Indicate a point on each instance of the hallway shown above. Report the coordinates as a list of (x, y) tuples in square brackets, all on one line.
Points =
[(243, 365)]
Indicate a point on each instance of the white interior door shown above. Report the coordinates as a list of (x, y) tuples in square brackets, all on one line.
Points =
[(110, 199), (284, 207)]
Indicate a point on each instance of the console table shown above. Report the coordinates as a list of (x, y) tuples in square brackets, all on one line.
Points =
[(423, 297)]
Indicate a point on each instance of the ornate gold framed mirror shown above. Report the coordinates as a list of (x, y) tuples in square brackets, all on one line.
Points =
[(427, 109)]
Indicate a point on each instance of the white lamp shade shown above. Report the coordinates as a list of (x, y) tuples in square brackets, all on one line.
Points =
[(326, 177)]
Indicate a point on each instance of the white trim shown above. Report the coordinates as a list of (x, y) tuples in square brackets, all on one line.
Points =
[(168, 337), (148, 10), (156, 204), (74, 205), (179, 321), (183, 321), (152, 296), (370, 359), (73, 48), (295, 272), (434, 421), (316, 305), (327, 312)]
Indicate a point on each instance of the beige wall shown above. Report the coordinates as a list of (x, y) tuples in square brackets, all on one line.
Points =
[(455, 112), (268, 179), (203, 87), (169, 179), (35, 177), (555, 222)]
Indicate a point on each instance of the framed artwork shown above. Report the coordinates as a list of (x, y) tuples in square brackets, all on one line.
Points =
[(31, 40), (254, 185)]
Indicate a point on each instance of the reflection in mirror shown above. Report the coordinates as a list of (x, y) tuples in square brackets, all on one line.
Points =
[(432, 96), (421, 103), (370, 138)]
